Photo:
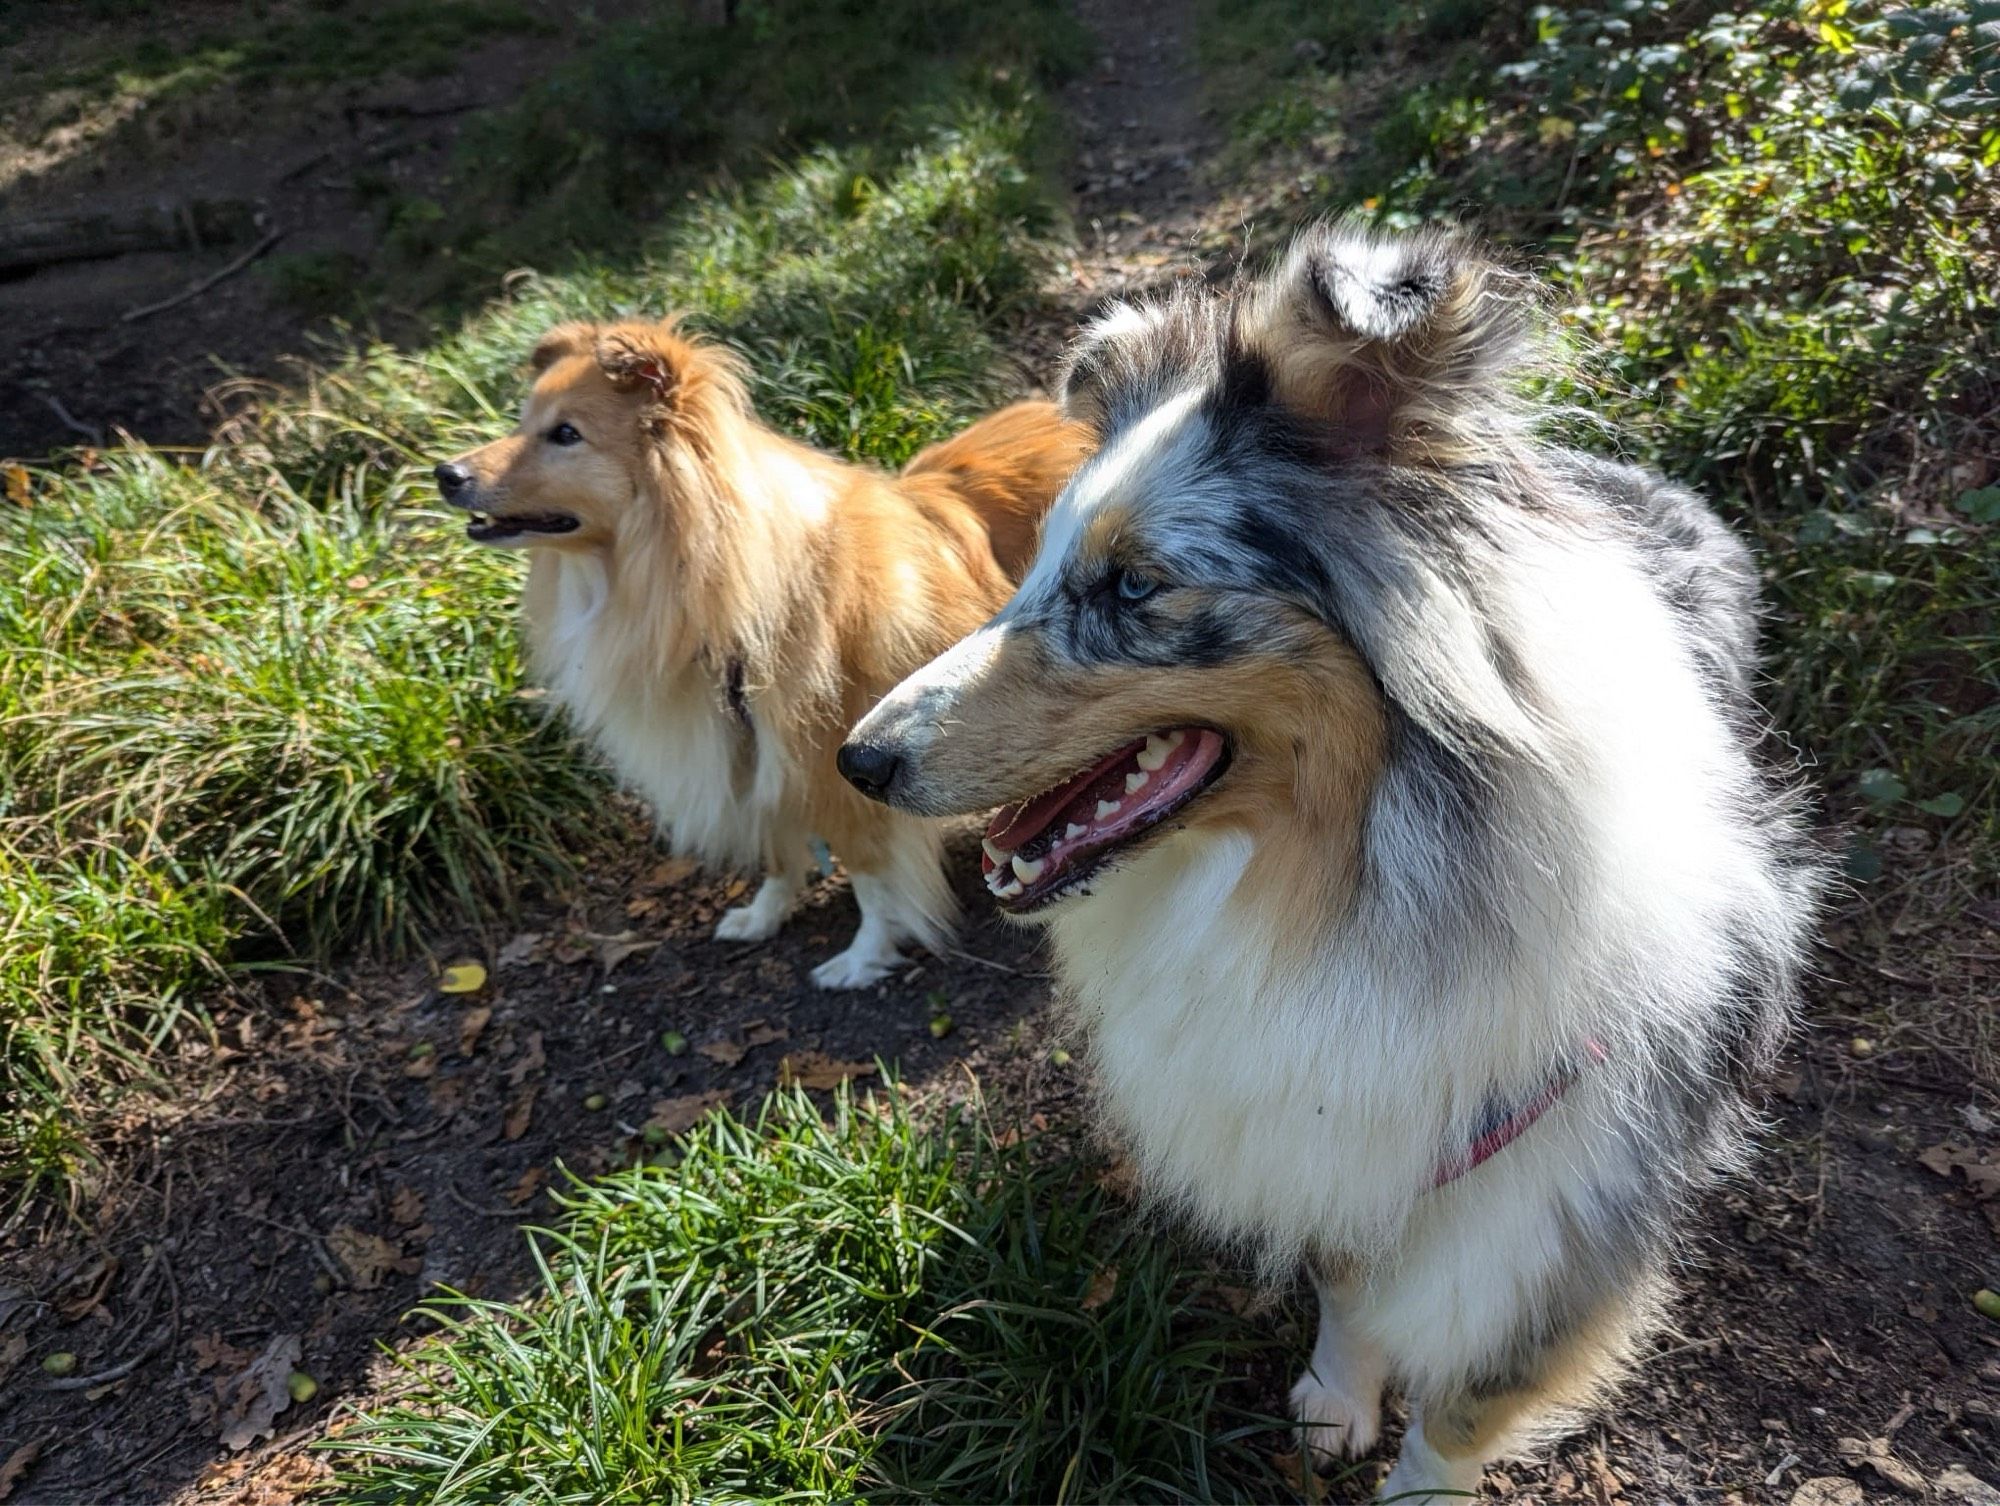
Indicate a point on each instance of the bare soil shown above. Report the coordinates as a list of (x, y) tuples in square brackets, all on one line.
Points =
[(317, 167), (345, 1143)]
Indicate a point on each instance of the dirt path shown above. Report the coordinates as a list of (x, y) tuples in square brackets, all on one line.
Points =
[(349, 1142)]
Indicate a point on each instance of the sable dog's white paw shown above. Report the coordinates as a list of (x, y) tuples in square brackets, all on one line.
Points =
[(1338, 1425), (857, 967), (747, 923), (760, 919)]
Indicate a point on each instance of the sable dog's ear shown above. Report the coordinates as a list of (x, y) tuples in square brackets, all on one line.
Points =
[(573, 339), (1404, 346), (643, 357)]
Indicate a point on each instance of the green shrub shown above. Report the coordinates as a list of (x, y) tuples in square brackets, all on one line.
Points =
[(1779, 229)]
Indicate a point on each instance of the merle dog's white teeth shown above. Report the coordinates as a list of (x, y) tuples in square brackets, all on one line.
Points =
[(1029, 871), (999, 857), (1136, 782), (1009, 889), (1175, 739), (1154, 754), (1106, 809), (1073, 831)]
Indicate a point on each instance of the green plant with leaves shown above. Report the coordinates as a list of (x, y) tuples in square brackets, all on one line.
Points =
[(1778, 231)]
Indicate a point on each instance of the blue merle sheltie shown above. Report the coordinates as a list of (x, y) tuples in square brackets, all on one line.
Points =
[(1386, 777)]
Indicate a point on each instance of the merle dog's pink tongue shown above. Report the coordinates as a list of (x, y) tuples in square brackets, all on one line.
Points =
[(1013, 825)]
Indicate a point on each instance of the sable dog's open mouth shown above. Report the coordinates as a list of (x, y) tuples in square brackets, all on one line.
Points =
[(1039, 849), (483, 528)]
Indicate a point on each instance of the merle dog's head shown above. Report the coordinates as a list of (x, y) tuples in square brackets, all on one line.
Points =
[(1252, 605)]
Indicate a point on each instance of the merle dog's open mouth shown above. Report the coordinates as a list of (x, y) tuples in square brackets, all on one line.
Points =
[(484, 528), (1039, 849)]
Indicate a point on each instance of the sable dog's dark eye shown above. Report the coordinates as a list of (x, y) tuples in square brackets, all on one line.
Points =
[(1133, 586), (563, 434)]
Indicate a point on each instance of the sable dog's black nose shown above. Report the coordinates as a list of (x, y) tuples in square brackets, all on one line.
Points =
[(869, 767), (452, 478)]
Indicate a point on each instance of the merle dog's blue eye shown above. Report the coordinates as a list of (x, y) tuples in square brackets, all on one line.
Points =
[(564, 434), (1132, 586)]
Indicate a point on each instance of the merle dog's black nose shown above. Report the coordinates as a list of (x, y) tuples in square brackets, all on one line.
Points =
[(869, 767), (452, 478)]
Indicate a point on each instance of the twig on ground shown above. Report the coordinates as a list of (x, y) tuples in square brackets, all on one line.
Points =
[(117, 1372), (206, 283), (998, 967), (71, 422), (471, 1207)]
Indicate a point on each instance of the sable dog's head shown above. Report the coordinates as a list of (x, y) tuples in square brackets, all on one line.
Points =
[(1246, 610), (619, 418)]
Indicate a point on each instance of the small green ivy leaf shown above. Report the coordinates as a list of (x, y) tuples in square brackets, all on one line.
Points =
[(1881, 787), (1864, 863), (1982, 505), (1949, 804)]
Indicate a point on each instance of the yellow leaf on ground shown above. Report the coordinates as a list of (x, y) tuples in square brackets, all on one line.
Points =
[(462, 978)]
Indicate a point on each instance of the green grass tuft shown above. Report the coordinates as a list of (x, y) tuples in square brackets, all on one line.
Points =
[(882, 1306), (280, 701)]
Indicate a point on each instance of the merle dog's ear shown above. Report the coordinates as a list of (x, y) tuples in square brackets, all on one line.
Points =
[(1405, 346), (572, 339), (1132, 355)]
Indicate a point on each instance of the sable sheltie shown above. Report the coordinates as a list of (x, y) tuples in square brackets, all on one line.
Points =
[(715, 604), (1385, 778)]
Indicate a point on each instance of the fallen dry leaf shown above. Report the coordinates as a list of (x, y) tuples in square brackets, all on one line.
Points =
[(83, 1292), (14, 479), (1981, 1169), (369, 1257), (614, 949), (757, 1033), (1102, 1285), (1874, 1454), (252, 1400), (12, 1352), (1960, 1484), (520, 1113), (1297, 1472), (1829, 1490), (17, 1464), (737, 889), (642, 907), (815, 1069), (470, 1024), (724, 1053), (671, 872), (519, 950), (529, 1184), (532, 1059), (213, 1352), (672, 1115), (421, 1066), (406, 1206)]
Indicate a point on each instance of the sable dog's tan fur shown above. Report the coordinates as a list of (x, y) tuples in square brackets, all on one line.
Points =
[(716, 603)]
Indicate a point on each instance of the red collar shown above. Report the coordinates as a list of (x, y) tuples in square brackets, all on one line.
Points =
[(1502, 1124)]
